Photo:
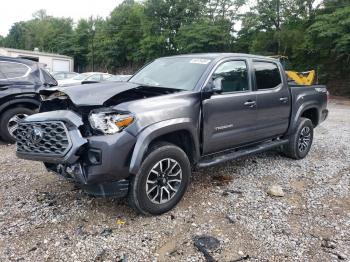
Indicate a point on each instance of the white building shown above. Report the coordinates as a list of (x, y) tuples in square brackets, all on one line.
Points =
[(53, 62)]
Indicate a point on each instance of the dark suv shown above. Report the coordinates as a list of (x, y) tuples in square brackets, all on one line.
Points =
[(20, 81)]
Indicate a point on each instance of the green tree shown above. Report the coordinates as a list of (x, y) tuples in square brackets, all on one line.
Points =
[(118, 40), (44, 32), (162, 22), (328, 38), (16, 36), (204, 36), (81, 41), (224, 9), (270, 15)]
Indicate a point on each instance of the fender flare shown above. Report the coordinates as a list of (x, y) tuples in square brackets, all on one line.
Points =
[(19, 101), (296, 116), (156, 130)]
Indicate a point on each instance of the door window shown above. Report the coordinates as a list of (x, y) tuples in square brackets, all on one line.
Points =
[(233, 75), (267, 75)]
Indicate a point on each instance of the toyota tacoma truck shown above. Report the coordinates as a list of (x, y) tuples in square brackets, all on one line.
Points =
[(141, 139)]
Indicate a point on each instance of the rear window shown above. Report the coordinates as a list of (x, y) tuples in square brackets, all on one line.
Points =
[(267, 75), (13, 70)]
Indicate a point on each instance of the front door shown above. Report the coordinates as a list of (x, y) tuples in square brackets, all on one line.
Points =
[(229, 117)]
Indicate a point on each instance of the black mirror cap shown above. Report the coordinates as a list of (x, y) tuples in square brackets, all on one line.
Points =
[(212, 88)]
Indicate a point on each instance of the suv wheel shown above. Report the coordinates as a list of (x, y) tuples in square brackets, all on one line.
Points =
[(161, 181), (9, 122), (300, 143)]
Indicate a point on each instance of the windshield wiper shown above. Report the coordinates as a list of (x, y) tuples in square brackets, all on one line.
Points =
[(159, 87)]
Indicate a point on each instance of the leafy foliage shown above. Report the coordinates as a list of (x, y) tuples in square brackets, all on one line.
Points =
[(204, 36), (312, 33), (329, 38)]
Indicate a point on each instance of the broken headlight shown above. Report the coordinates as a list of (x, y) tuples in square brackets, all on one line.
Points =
[(109, 121)]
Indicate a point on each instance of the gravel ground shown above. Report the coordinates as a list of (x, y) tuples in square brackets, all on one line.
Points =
[(45, 218)]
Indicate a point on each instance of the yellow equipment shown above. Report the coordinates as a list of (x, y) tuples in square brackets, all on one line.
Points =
[(300, 78)]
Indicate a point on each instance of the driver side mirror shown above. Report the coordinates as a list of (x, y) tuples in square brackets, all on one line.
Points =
[(217, 85), (213, 87)]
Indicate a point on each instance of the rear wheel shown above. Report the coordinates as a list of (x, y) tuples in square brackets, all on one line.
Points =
[(162, 180), (9, 122), (300, 143)]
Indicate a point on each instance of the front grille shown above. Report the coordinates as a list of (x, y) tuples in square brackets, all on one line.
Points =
[(43, 138)]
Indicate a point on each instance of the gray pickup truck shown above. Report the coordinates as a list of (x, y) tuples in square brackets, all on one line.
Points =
[(142, 138)]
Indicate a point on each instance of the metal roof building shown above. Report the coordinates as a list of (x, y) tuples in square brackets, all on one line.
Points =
[(53, 62)]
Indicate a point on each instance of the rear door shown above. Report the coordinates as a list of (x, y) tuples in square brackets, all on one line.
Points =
[(229, 117), (273, 100)]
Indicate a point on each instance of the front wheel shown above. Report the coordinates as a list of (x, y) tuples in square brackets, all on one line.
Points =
[(300, 143), (9, 122), (161, 181)]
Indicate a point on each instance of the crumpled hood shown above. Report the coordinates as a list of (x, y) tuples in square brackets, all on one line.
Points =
[(92, 94)]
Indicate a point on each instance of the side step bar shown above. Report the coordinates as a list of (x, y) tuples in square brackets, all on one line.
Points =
[(206, 162)]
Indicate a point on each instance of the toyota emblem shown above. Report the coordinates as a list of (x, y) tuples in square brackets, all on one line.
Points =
[(36, 135)]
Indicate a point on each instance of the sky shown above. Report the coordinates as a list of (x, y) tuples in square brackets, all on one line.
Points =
[(21, 10)]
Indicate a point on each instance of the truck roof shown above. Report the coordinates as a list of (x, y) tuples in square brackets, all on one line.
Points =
[(224, 55)]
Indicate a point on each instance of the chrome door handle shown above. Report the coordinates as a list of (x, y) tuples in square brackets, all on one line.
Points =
[(250, 103), (284, 99)]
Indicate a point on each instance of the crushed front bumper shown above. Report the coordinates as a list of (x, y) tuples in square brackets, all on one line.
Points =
[(96, 163)]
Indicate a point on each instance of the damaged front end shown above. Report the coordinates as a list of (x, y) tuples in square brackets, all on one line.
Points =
[(79, 143), (82, 134)]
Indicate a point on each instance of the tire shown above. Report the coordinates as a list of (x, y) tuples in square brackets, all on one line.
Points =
[(300, 142), (8, 118), (157, 160)]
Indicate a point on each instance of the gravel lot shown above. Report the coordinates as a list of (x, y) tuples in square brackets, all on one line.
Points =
[(45, 218)]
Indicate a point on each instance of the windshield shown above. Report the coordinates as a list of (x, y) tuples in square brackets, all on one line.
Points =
[(81, 76), (178, 72)]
